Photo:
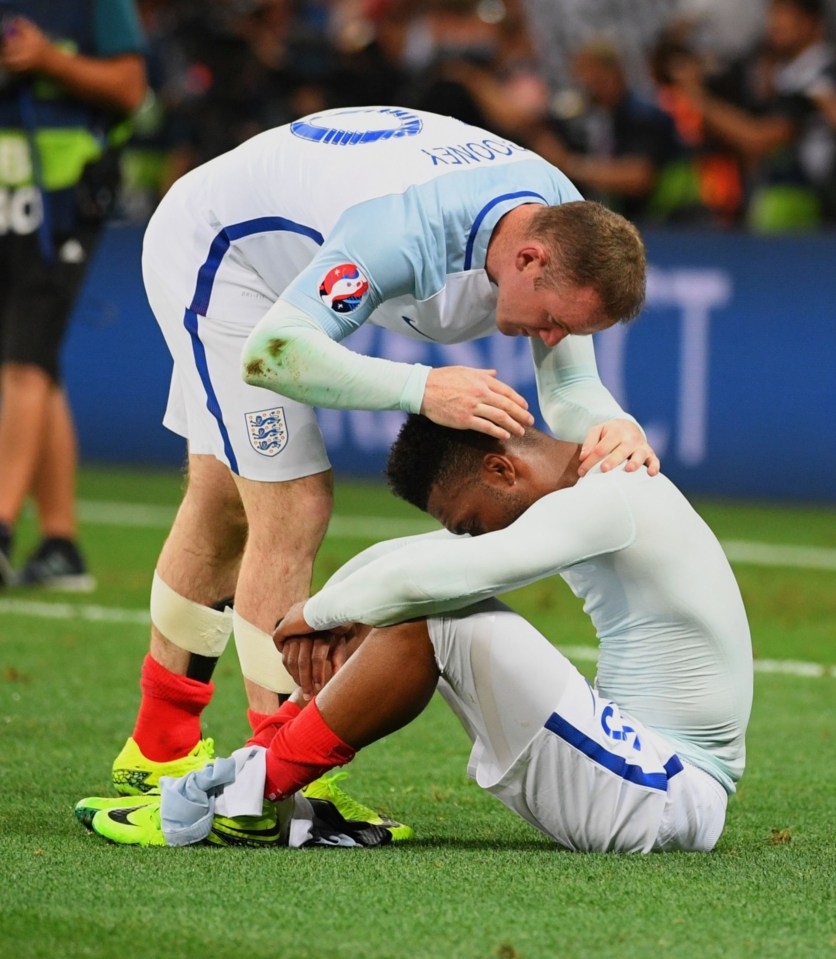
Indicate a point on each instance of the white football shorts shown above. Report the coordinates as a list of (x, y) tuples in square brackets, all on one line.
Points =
[(259, 434), (563, 758)]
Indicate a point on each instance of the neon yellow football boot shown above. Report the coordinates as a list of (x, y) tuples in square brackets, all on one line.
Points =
[(131, 825), (86, 809), (136, 822), (134, 775)]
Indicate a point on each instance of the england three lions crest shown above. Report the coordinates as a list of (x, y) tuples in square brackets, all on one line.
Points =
[(267, 430)]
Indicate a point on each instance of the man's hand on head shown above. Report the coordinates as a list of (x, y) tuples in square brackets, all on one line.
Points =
[(615, 442), (469, 399)]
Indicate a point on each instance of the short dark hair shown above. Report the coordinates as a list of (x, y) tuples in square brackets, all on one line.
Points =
[(591, 246), (425, 453)]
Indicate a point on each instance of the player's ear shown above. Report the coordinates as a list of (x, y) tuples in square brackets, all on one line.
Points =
[(532, 255), (498, 469)]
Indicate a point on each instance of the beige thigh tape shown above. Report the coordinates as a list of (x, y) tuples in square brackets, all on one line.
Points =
[(190, 626), (260, 661)]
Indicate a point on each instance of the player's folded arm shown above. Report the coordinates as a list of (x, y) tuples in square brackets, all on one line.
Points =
[(384, 548), (429, 578)]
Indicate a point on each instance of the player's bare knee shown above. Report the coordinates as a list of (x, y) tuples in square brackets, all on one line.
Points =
[(215, 519), (211, 483), (290, 528), (318, 510), (415, 634), (313, 498), (411, 646)]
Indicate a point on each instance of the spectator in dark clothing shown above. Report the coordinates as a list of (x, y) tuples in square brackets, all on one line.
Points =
[(616, 147), (70, 74), (766, 109), (704, 187), (497, 85)]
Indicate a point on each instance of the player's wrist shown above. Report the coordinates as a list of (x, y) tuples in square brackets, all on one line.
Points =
[(412, 393)]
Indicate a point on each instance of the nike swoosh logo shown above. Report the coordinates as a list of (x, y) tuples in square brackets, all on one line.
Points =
[(122, 814), (411, 324)]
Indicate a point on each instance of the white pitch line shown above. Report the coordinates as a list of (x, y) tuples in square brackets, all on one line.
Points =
[(788, 667), (38, 609), (104, 513), (769, 554)]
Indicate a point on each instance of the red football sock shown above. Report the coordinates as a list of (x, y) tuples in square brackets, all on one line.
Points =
[(265, 725), (301, 751), (168, 724)]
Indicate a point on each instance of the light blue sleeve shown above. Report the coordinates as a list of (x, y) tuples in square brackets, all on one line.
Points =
[(407, 243), (288, 353), (570, 392), (385, 239)]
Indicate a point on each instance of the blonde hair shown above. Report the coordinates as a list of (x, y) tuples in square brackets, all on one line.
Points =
[(592, 247)]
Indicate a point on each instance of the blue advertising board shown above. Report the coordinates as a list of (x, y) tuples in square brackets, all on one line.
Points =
[(731, 368)]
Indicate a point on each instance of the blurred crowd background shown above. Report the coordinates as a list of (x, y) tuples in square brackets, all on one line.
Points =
[(710, 113)]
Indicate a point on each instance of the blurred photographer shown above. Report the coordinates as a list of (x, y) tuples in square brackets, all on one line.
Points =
[(70, 75)]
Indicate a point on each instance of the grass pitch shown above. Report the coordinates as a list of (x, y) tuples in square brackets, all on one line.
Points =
[(477, 883)]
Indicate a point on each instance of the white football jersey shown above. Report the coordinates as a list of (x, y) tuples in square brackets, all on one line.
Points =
[(371, 213), (675, 647)]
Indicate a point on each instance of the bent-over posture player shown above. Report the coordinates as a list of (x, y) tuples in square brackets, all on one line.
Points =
[(256, 265), (642, 761)]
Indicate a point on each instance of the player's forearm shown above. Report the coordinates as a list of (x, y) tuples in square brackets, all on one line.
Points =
[(411, 582), (289, 354), (428, 578), (571, 395), (384, 548)]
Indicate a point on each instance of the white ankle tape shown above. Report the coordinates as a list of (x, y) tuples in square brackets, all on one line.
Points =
[(188, 625), (260, 661)]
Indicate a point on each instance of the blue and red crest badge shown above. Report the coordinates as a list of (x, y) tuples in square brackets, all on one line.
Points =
[(343, 287), (267, 431)]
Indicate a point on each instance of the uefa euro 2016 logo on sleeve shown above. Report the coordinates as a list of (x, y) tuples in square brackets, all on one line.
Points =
[(267, 431), (343, 287)]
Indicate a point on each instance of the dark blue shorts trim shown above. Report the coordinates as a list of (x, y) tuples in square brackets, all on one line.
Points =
[(614, 763), (203, 292)]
